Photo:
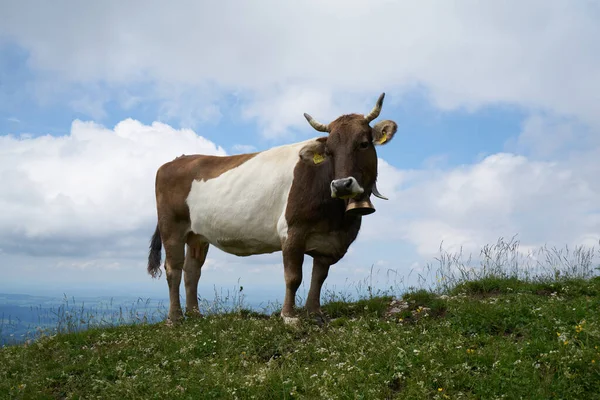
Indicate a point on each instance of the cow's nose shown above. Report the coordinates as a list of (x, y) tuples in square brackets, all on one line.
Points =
[(345, 187), (342, 184)]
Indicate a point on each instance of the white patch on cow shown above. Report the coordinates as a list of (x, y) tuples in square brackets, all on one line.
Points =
[(242, 211)]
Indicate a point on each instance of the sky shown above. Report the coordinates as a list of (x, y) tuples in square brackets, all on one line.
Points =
[(496, 105)]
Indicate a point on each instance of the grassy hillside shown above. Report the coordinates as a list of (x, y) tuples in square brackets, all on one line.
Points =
[(504, 329), (491, 338)]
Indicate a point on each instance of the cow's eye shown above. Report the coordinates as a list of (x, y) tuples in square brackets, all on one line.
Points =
[(363, 145)]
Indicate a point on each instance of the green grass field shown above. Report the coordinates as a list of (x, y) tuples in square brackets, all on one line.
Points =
[(487, 333)]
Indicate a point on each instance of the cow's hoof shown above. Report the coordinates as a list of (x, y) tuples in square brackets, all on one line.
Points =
[(193, 314), (174, 321), (319, 318), (292, 321)]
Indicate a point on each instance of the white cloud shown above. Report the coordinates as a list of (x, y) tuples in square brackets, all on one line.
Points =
[(279, 109), (92, 106), (318, 57), (87, 199), (546, 137), (82, 191), (73, 193), (544, 202), (189, 105)]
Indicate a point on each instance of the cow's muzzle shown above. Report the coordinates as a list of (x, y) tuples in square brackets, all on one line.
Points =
[(345, 188)]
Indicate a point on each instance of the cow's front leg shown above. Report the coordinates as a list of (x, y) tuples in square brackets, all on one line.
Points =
[(319, 274), (293, 257)]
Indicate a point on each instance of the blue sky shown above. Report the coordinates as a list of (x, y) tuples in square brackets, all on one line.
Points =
[(497, 133)]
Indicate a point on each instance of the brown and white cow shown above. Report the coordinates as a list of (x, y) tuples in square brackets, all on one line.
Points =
[(305, 198)]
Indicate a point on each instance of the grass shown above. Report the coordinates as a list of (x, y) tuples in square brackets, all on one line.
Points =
[(492, 332)]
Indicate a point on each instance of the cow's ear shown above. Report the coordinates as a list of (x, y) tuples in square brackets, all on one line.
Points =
[(314, 152), (384, 131)]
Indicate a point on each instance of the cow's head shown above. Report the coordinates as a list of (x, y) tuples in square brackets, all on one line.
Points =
[(350, 148)]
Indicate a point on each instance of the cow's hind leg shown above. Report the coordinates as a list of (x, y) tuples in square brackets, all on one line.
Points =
[(197, 249), (175, 256)]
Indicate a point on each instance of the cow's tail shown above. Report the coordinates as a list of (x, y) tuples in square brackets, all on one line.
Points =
[(154, 255)]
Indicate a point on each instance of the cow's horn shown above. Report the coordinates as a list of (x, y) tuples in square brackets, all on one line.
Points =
[(376, 110), (376, 192), (316, 124)]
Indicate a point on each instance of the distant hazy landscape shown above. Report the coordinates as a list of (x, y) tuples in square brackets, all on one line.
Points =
[(23, 315)]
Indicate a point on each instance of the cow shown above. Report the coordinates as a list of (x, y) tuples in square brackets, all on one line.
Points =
[(305, 198)]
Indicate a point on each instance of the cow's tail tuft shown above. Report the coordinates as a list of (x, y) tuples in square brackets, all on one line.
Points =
[(154, 255)]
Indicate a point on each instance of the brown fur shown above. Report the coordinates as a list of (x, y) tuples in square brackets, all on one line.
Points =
[(346, 134), (178, 175), (172, 185), (312, 211)]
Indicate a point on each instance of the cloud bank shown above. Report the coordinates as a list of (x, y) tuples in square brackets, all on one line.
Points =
[(91, 193), (323, 57), (88, 192), (543, 201)]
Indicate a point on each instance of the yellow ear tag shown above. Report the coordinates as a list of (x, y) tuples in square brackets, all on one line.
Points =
[(318, 159), (383, 138)]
